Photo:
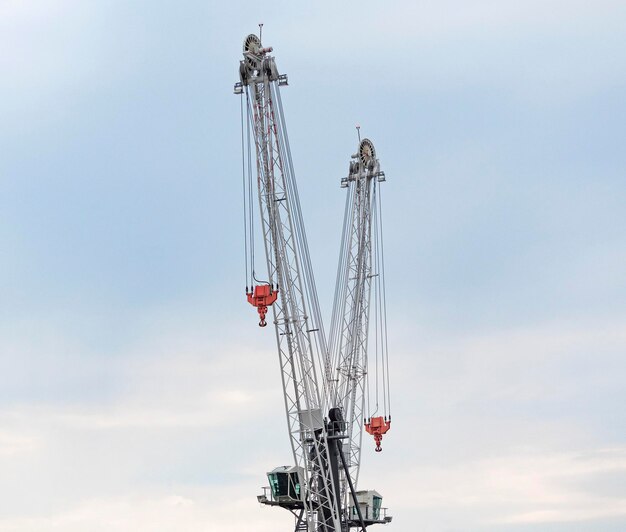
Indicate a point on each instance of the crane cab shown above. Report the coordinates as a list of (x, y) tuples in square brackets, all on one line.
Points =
[(286, 484), (370, 502)]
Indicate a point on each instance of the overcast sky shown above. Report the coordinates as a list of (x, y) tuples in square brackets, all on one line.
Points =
[(137, 391)]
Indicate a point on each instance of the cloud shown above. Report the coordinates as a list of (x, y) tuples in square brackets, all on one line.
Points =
[(504, 427), (181, 414), (476, 429), (137, 392), (522, 487), (557, 359), (188, 510), (14, 443), (56, 56)]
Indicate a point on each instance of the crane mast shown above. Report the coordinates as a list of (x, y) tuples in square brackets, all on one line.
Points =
[(360, 266), (318, 389)]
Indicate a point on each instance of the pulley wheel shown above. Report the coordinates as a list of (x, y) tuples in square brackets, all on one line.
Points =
[(367, 153), (252, 45)]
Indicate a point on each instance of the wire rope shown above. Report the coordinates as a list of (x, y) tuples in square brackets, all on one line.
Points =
[(384, 301), (243, 183), (339, 299), (250, 191), (302, 244), (377, 329)]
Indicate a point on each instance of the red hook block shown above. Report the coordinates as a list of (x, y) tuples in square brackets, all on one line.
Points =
[(262, 297), (378, 426)]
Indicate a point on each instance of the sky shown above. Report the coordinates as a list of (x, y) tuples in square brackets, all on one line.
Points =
[(137, 391)]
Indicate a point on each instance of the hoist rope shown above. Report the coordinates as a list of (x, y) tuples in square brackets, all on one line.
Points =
[(377, 328), (244, 187), (250, 191), (381, 310), (384, 302)]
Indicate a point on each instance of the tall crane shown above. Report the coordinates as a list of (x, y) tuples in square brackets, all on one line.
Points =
[(314, 488)]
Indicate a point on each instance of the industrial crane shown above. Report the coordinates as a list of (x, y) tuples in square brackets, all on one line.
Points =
[(319, 487)]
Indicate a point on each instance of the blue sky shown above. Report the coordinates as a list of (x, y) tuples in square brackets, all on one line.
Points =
[(136, 391)]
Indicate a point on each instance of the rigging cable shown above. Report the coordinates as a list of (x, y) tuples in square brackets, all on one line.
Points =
[(301, 241), (250, 192), (339, 301), (384, 301), (377, 330), (243, 182)]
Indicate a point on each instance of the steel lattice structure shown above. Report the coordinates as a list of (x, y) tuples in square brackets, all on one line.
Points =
[(319, 386), (299, 333), (351, 312)]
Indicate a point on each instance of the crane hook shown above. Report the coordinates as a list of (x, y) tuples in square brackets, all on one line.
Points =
[(378, 426), (262, 297)]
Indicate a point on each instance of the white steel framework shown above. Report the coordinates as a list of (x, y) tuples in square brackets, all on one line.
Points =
[(359, 265), (299, 332), (323, 389)]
